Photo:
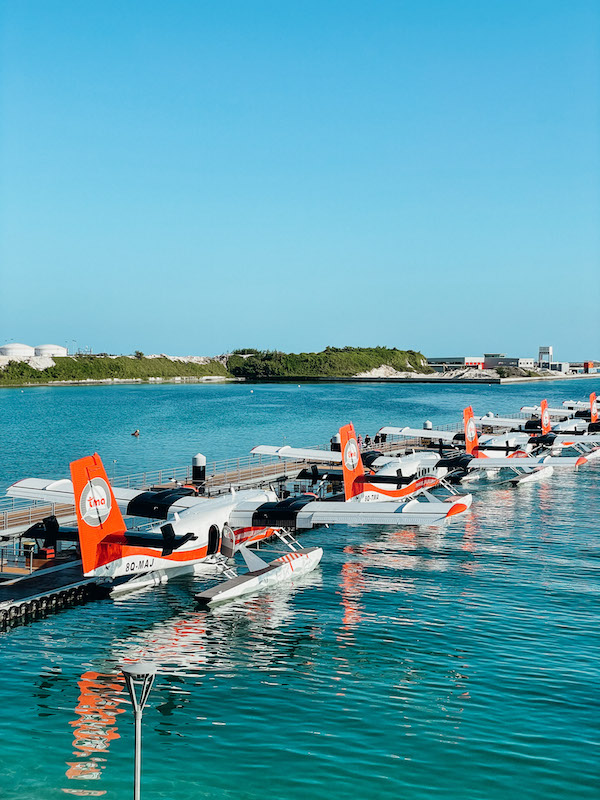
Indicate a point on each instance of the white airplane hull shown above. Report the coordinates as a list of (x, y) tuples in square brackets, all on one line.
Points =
[(159, 576), (531, 477), (289, 566)]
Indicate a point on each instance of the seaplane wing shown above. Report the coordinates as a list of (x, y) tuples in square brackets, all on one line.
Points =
[(525, 463), (299, 453), (501, 422), (566, 439), (132, 502), (419, 433), (554, 412), (301, 515)]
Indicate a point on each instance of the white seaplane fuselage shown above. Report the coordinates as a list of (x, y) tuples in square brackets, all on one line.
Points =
[(192, 557), (416, 471)]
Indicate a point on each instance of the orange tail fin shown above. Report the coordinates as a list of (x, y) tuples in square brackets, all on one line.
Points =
[(593, 407), (545, 417), (98, 515), (471, 438), (352, 465)]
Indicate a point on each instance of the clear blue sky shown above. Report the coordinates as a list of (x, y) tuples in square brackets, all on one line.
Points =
[(190, 177)]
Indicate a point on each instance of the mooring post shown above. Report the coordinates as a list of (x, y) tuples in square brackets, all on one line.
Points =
[(199, 472)]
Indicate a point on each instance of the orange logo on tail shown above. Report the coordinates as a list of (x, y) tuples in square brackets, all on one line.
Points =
[(94, 503)]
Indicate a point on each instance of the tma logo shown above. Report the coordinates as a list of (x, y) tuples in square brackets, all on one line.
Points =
[(94, 503), (351, 456), (471, 430), (545, 418)]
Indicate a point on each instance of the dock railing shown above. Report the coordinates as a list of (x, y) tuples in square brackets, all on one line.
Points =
[(248, 470)]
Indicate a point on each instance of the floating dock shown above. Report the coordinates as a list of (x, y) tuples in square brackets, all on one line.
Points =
[(44, 591)]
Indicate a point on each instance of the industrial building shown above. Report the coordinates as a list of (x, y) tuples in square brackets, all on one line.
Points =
[(455, 362), (545, 360), (494, 360)]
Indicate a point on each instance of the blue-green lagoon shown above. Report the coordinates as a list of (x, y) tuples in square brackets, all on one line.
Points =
[(460, 662)]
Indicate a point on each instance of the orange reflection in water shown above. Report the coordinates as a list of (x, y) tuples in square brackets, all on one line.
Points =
[(352, 586), (95, 726)]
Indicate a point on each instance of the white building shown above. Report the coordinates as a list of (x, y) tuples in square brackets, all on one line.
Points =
[(51, 350), (545, 356)]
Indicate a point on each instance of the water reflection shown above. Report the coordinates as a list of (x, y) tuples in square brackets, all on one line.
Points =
[(95, 726), (195, 641)]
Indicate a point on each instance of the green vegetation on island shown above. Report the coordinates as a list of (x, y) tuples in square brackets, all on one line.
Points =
[(98, 368), (250, 364), (333, 362)]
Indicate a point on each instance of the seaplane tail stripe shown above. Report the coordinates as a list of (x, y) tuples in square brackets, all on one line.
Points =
[(426, 482)]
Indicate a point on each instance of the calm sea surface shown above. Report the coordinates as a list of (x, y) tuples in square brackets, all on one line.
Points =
[(460, 662)]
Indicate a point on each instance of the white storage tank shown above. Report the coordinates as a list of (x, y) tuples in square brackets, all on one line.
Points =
[(16, 350), (51, 350)]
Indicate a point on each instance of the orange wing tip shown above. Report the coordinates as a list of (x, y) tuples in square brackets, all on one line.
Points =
[(580, 461), (457, 508)]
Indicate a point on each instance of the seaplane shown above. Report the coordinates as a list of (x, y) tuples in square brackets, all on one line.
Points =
[(572, 420), (410, 475), (202, 534), (575, 405), (481, 457), (382, 477), (538, 434)]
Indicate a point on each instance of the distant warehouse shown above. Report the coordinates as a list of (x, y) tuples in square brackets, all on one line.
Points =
[(493, 360), (455, 362)]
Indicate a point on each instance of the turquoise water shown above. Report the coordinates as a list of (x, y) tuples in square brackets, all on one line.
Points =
[(453, 663)]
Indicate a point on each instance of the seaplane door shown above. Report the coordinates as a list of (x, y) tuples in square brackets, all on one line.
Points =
[(214, 540), (228, 543)]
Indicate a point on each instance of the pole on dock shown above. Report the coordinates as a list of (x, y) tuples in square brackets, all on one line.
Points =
[(199, 472), (138, 676)]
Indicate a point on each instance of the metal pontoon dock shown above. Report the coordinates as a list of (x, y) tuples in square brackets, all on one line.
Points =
[(46, 590)]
